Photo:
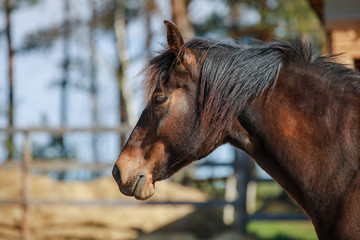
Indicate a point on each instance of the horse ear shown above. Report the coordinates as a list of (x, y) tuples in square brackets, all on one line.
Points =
[(176, 42), (174, 38)]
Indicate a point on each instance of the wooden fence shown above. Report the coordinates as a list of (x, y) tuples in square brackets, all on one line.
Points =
[(235, 198)]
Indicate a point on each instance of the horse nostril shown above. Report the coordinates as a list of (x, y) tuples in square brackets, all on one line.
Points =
[(116, 174)]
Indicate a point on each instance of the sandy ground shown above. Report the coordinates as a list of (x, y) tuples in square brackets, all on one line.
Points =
[(88, 222)]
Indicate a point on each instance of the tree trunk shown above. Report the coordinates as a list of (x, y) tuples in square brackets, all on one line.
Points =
[(265, 32), (124, 92), (10, 145), (66, 64), (181, 18), (93, 79), (64, 80), (150, 6)]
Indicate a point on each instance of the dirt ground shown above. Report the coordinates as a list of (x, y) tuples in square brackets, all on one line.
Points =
[(97, 222)]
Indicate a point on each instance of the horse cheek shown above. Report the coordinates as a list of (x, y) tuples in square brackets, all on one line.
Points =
[(178, 113), (174, 123)]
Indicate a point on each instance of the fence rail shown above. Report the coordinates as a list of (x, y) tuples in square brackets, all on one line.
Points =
[(58, 165), (119, 203), (62, 130)]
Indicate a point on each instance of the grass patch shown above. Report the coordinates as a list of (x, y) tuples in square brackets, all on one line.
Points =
[(282, 230)]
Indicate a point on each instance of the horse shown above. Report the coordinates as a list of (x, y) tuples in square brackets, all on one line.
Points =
[(295, 113)]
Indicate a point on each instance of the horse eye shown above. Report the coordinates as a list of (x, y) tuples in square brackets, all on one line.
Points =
[(160, 99)]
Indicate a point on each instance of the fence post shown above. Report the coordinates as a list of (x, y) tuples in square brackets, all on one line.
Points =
[(27, 155), (242, 168), (230, 196)]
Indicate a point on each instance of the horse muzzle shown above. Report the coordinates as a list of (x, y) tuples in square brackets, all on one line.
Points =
[(139, 185)]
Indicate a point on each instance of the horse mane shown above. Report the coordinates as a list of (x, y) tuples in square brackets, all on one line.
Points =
[(232, 75)]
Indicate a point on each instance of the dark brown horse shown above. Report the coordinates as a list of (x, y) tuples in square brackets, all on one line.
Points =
[(296, 114)]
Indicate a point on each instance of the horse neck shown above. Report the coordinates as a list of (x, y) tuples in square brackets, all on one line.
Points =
[(299, 144)]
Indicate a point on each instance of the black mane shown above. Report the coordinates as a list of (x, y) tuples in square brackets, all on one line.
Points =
[(232, 75)]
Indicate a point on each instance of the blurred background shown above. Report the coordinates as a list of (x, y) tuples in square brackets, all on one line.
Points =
[(70, 93)]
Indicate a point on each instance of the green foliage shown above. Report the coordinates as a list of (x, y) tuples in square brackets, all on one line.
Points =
[(215, 189), (282, 230), (15, 4), (271, 198), (280, 19), (43, 39), (214, 23), (53, 149)]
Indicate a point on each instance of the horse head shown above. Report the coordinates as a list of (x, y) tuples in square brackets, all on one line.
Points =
[(167, 136)]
